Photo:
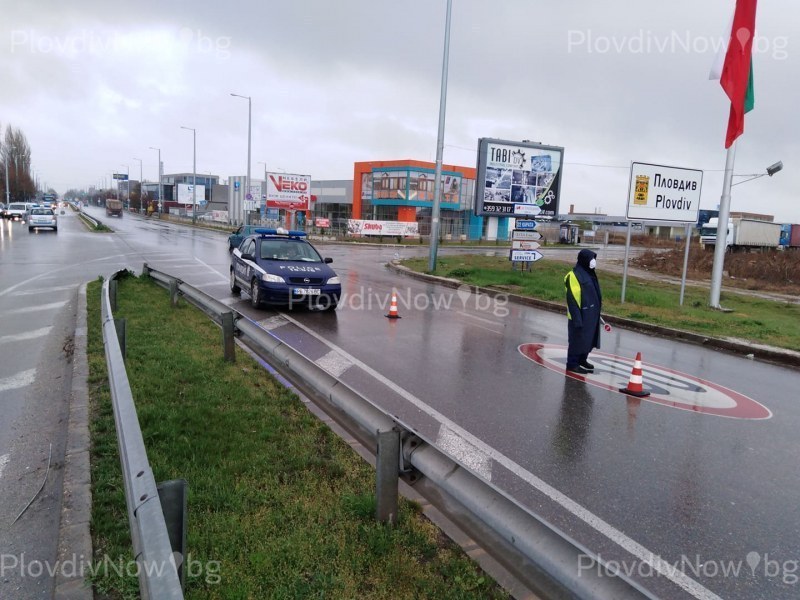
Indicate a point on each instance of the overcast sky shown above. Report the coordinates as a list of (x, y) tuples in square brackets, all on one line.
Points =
[(94, 84)]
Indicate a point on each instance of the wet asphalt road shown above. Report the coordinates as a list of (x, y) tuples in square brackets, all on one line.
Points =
[(627, 479)]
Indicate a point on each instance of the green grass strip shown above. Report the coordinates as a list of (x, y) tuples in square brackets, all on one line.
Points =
[(753, 319), (279, 506)]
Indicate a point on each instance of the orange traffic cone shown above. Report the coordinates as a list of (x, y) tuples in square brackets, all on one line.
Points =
[(635, 383), (393, 308)]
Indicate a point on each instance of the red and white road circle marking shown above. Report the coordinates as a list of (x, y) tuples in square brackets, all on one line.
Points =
[(666, 386)]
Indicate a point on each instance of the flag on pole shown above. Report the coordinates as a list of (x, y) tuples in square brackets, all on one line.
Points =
[(735, 72)]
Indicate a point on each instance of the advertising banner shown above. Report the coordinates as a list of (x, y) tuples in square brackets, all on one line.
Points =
[(288, 191), (391, 228), (186, 195), (518, 179)]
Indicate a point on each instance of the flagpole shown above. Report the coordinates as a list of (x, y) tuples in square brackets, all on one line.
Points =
[(722, 230)]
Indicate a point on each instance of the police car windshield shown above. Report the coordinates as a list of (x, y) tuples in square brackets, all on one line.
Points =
[(277, 249)]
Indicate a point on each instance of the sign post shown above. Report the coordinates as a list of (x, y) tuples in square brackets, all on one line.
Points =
[(662, 193)]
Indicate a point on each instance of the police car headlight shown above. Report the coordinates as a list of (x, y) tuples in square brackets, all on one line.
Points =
[(270, 278), (334, 280)]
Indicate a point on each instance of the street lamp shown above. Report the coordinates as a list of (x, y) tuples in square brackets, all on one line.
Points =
[(160, 189), (140, 182), (722, 232), (437, 181), (127, 184), (771, 170), (266, 186), (5, 164), (249, 122), (194, 173)]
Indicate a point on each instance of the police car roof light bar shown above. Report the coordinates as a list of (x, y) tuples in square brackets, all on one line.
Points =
[(280, 231)]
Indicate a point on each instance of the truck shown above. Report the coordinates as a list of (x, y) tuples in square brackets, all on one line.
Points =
[(113, 207), (742, 235), (790, 235)]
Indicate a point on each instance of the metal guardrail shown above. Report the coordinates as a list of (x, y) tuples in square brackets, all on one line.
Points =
[(400, 450), (85, 215), (158, 574)]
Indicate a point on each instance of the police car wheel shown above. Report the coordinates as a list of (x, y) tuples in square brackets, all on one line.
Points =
[(235, 289), (255, 294)]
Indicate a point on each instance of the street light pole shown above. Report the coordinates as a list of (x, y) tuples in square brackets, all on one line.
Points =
[(160, 189), (266, 186), (8, 188), (140, 182), (249, 137), (721, 244), (194, 173), (127, 184), (437, 182)]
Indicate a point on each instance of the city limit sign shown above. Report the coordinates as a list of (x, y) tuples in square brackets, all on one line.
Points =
[(661, 193)]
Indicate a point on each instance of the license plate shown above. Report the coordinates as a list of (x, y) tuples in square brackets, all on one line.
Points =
[(306, 291)]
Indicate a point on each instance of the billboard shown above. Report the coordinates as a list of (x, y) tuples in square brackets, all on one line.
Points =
[(516, 178), (288, 191), (661, 193), (186, 194), (398, 228)]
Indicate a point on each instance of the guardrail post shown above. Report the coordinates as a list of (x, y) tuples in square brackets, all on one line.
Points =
[(173, 292), (228, 345), (145, 270), (112, 294), (387, 467), (173, 497), (120, 325)]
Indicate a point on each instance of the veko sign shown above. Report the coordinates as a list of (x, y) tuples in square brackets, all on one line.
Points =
[(661, 193), (286, 190)]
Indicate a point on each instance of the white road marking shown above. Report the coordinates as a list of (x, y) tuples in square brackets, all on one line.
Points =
[(648, 557), (334, 363), (229, 300), (28, 335), (20, 380), (271, 323), (224, 276), (47, 290), (4, 459), (208, 283), (28, 309)]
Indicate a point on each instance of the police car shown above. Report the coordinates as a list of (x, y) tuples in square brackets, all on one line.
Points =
[(280, 267)]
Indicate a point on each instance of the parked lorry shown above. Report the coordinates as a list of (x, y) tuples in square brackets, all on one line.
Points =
[(113, 207), (742, 234), (790, 235)]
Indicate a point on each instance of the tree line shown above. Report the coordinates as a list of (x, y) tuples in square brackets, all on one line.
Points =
[(15, 167)]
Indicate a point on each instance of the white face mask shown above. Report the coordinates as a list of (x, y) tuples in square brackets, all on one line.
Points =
[(592, 264)]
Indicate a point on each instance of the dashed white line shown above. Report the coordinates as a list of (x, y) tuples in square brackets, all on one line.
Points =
[(4, 460), (633, 547), (28, 335), (28, 309), (20, 380), (47, 290)]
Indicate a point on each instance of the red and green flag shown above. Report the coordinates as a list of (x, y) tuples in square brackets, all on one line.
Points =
[(736, 73)]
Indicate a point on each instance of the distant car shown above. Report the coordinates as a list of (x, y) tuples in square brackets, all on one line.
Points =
[(280, 267), (237, 236), (16, 211), (42, 217)]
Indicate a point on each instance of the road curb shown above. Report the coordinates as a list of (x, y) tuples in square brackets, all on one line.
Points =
[(788, 358), (74, 536)]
